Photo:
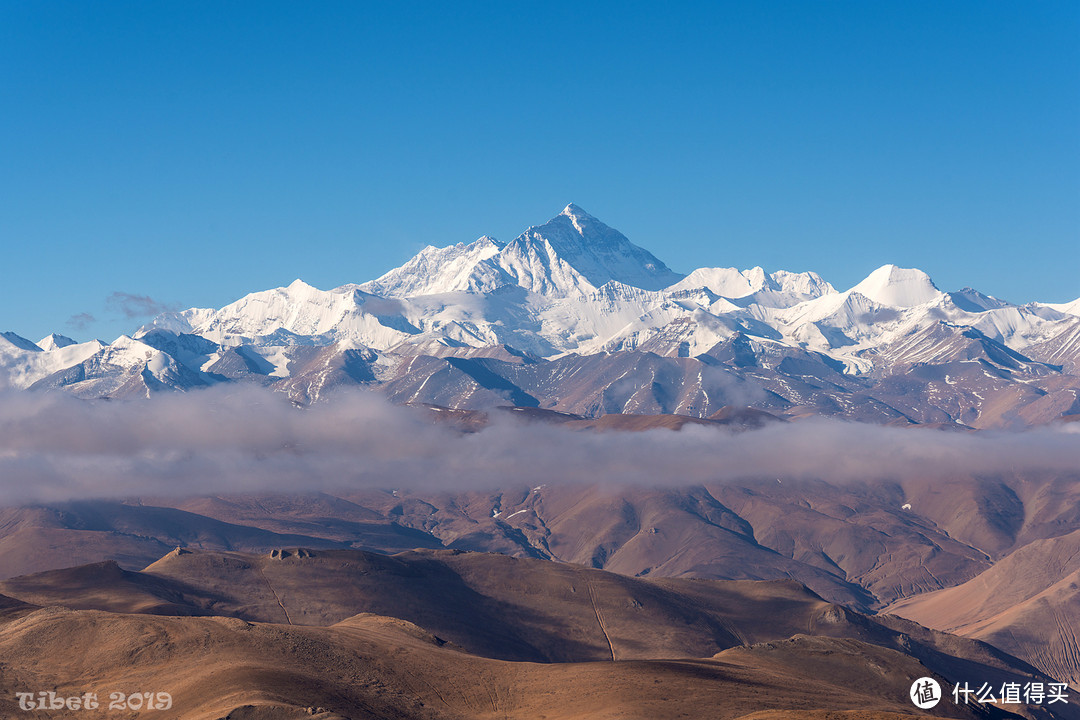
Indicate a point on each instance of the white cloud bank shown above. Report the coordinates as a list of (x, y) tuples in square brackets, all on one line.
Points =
[(242, 439)]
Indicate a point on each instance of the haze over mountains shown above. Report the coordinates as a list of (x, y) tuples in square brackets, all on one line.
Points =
[(571, 316)]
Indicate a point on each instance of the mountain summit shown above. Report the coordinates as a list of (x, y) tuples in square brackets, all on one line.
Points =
[(545, 257), (898, 287), (571, 255)]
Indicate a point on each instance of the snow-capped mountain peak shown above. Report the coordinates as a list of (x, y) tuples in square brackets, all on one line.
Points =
[(18, 342), (432, 271), (809, 284), (1070, 308), (971, 300), (898, 287), (573, 212), (573, 254), (585, 224), (776, 290), (725, 282), (55, 342)]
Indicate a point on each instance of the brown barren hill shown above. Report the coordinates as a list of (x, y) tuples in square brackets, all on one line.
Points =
[(1028, 604), (432, 634), (373, 667)]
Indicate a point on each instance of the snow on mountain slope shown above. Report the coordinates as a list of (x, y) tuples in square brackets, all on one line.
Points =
[(725, 282), (942, 342), (55, 342), (458, 268), (576, 241), (13, 342), (1070, 308), (571, 255), (1017, 326), (575, 285), (972, 300), (892, 303), (674, 331), (297, 315), (898, 287), (126, 366), (23, 363), (839, 320), (808, 284), (488, 320), (559, 287), (778, 289), (1059, 348), (509, 316), (586, 324)]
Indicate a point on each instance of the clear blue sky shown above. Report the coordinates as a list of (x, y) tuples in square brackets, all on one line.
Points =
[(193, 152)]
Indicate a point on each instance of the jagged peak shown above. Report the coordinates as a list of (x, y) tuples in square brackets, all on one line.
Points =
[(488, 240), (433, 270), (55, 341), (595, 251), (578, 217), (577, 221), (971, 300), (782, 286), (299, 284), (20, 342), (480, 243)]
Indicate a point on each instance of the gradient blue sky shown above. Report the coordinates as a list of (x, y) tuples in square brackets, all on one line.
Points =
[(193, 152)]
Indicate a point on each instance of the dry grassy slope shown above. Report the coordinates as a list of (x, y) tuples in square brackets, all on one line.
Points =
[(33, 539), (368, 665), (506, 608), (101, 586), (861, 533), (314, 515), (1044, 630), (664, 533), (998, 515), (10, 607), (372, 667), (490, 604), (852, 543), (1028, 604), (68, 534), (833, 537)]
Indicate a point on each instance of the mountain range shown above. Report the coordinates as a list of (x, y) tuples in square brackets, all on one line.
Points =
[(569, 590), (571, 316)]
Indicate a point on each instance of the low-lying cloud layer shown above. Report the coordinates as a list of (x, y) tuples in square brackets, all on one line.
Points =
[(242, 439)]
